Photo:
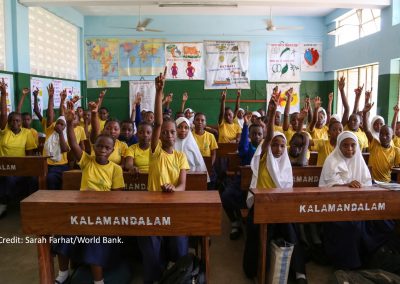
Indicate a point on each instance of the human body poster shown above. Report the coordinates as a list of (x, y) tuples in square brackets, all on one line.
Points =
[(311, 60), (283, 87), (145, 89), (283, 62), (227, 64), (184, 60)]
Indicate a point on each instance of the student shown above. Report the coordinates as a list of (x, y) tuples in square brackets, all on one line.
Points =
[(138, 155), (325, 147), (98, 174), (375, 126), (205, 140), (383, 156), (349, 244), (79, 112), (289, 130), (149, 117), (188, 112), (229, 132), (317, 127), (167, 173), (239, 112), (26, 117), (233, 197), (15, 141), (277, 122)]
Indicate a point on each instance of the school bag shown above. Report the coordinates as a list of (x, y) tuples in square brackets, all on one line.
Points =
[(375, 276), (187, 270)]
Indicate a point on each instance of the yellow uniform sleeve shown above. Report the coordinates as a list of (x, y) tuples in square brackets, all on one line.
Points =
[(117, 178)]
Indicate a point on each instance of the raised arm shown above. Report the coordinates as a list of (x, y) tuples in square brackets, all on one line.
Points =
[(302, 116), (244, 139), (317, 105), (184, 100), (307, 105), (101, 98), (367, 131), (158, 116), (395, 116), (222, 107), (272, 105), (36, 109), (50, 105), (94, 109), (237, 106), (286, 112), (329, 110), (63, 97), (25, 91), (346, 113), (357, 92), (3, 102), (73, 144), (137, 101)]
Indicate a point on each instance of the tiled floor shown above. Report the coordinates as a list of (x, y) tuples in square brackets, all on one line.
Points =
[(18, 262)]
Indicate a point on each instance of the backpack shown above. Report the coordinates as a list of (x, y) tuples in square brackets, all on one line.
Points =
[(187, 270)]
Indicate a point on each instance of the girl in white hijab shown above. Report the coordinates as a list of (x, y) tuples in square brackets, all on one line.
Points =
[(375, 126), (345, 165), (186, 143), (52, 145)]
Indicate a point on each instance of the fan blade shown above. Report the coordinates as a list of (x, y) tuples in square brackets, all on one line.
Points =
[(292, 28), (125, 28), (145, 22), (256, 30), (153, 30)]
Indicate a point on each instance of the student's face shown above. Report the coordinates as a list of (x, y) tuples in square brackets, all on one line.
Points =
[(199, 122), (103, 147), (335, 130), (240, 114), (26, 121), (149, 117), (103, 113), (183, 130), (256, 135), (348, 147), (261, 111), (278, 145), (87, 115), (60, 124), (321, 117), (112, 128), (79, 112), (296, 146), (385, 136), (294, 120), (14, 122), (188, 114), (354, 122), (168, 134), (398, 129), (278, 118), (76, 120), (179, 114), (127, 130), (377, 125), (144, 134), (228, 116)]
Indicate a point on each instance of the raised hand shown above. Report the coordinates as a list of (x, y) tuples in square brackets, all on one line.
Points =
[(50, 90), (35, 93), (93, 106), (63, 94), (396, 108), (358, 90), (160, 81), (185, 97), (102, 93), (317, 102), (239, 93), (368, 107), (25, 91), (223, 95), (368, 95), (303, 113), (341, 83), (247, 117), (75, 99), (70, 114), (3, 87), (138, 99), (330, 97)]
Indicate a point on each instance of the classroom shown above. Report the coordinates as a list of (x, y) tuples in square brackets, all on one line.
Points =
[(260, 136)]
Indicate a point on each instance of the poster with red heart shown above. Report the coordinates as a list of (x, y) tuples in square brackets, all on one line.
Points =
[(311, 57)]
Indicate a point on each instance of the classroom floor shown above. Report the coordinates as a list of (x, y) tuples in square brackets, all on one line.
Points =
[(18, 262)]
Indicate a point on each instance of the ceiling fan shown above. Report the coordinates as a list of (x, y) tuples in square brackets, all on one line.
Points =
[(271, 27), (142, 25)]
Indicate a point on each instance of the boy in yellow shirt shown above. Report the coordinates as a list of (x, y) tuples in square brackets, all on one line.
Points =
[(138, 155), (228, 131), (325, 147)]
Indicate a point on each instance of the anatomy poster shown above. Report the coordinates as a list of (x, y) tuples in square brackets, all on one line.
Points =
[(146, 89), (283, 87), (311, 60), (227, 65), (283, 62), (184, 60)]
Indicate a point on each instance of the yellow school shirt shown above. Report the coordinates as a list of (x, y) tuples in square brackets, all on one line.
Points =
[(278, 128), (141, 157), (165, 168), (381, 160), (324, 148), (320, 133), (98, 177), (289, 134), (64, 156), (102, 123), (362, 138), (228, 132), (396, 141), (80, 134), (35, 135), (120, 149), (264, 179), (206, 143), (15, 145)]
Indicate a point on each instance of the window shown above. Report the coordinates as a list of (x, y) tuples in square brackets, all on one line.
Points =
[(2, 37), (357, 24), (53, 45), (365, 75)]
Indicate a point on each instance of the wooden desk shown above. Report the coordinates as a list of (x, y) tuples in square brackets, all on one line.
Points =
[(397, 172), (302, 176), (226, 148), (46, 213), (194, 181), (313, 158), (301, 205), (35, 166)]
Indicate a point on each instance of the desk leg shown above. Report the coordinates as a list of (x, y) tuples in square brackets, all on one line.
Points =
[(46, 264), (262, 261), (205, 255)]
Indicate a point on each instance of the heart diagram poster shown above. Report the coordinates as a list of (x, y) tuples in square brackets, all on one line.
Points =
[(311, 60), (294, 104), (184, 60), (283, 62), (227, 64)]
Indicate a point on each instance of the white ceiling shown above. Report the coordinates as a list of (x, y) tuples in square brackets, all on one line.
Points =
[(244, 7)]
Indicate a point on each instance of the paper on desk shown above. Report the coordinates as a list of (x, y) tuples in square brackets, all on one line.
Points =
[(388, 185)]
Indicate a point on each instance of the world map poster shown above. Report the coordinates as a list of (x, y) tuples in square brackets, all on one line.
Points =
[(102, 63)]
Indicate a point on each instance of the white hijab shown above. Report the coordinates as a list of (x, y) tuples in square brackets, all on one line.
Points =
[(279, 169), (240, 120), (336, 116), (191, 149), (371, 126), (52, 144), (321, 109), (338, 169)]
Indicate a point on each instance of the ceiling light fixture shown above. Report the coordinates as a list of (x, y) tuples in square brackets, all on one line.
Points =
[(195, 5)]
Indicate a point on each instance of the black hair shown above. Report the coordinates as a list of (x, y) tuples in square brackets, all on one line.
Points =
[(11, 114), (199, 113), (297, 134), (112, 120), (255, 125), (144, 123), (179, 113), (333, 123), (25, 114), (228, 108), (106, 136), (104, 108), (128, 121)]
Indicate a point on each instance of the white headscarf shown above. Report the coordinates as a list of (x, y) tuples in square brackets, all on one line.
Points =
[(321, 109), (191, 119), (279, 169), (371, 126), (52, 144), (337, 117), (338, 169), (240, 120), (191, 149)]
